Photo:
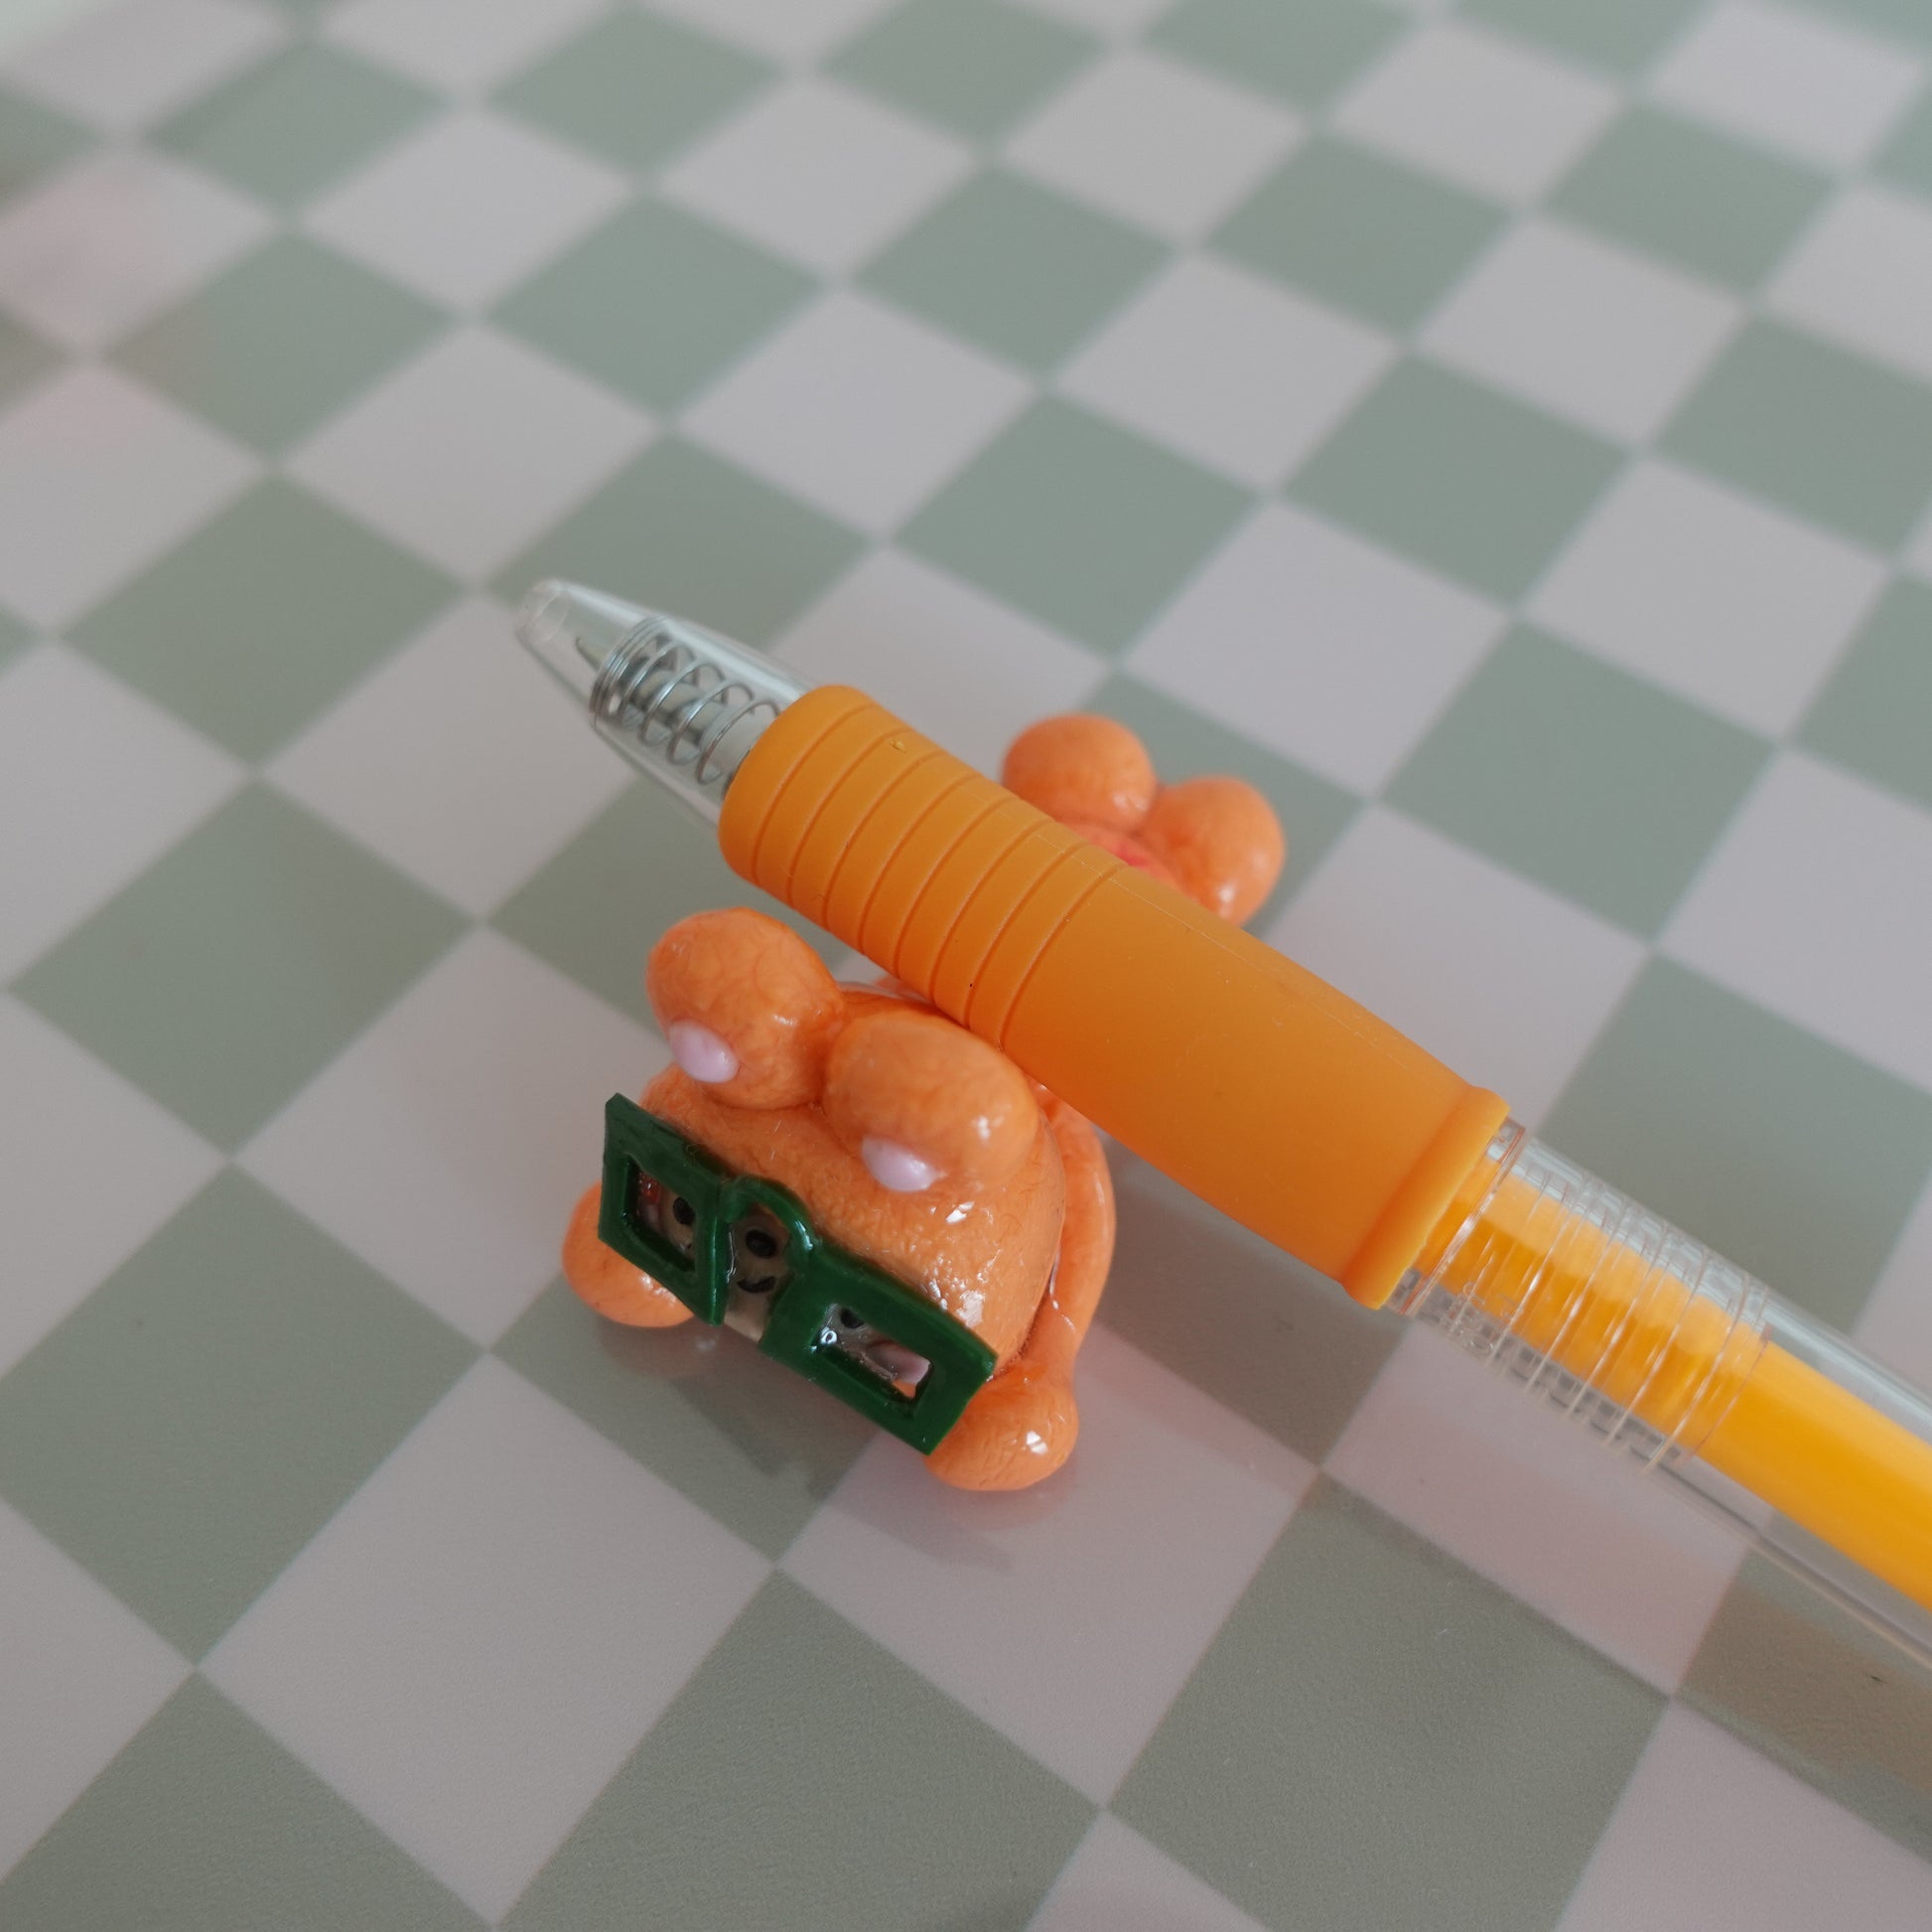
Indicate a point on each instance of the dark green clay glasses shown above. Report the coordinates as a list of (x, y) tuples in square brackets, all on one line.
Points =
[(738, 1249)]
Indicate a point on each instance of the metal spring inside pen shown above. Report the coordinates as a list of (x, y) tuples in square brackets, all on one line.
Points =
[(671, 698)]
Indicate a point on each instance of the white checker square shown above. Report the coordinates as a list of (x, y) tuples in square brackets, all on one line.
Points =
[(818, 174), (97, 478), (1490, 113), (96, 785), (1864, 274), (122, 67), (476, 1642), (468, 208), (454, 762), (1318, 642), (1605, 338), (1067, 1617), (1534, 977), (463, 47), (786, 30), (66, 1233), (1231, 370), (1155, 142), (1824, 91), (448, 1144), (1729, 602), (80, 1675), (1817, 904), (468, 452), (93, 254), (1537, 1504), (924, 645), (1710, 1833), (1119, 18), (1895, 1323), (860, 410), (1118, 1882)]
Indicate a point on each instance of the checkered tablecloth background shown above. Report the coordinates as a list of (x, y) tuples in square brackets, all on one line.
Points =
[(1506, 434)]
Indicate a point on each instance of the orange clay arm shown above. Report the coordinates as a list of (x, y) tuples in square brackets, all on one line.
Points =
[(609, 1283), (1086, 1245)]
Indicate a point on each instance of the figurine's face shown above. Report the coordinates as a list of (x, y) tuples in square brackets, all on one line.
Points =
[(915, 1146)]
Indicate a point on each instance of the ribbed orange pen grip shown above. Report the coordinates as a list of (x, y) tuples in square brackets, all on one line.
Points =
[(1277, 1099)]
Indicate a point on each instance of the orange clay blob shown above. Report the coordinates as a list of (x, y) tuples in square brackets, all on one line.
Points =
[(912, 1143)]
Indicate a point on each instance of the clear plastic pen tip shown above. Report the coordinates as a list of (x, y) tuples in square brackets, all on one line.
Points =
[(680, 703), (571, 632)]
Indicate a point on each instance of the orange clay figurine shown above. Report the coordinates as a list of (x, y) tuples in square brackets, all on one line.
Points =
[(915, 1151)]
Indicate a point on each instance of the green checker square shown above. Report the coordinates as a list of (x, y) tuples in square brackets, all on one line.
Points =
[(1286, 1348), (656, 302), (256, 622), (749, 1441), (1907, 155), (596, 908), (1590, 782), (867, 1799), (287, 129), (1876, 713), (1304, 53), (1363, 232), (1779, 1149), (13, 637), (24, 358), (1016, 268), (1456, 476), (1380, 1737), (1083, 524), (233, 970), (973, 65), (1624, 37), (34, 141), (1693, 195), (1313, 811), (1823, 431), (194, 1423), (635, 88), (683, 530), (282, 341), (1818, 1692), (205, 1824)]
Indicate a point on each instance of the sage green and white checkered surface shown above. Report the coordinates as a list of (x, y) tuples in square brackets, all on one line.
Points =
[(1504, 434)]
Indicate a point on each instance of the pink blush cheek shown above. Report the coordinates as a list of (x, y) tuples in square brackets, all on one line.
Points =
[(701, 1052)]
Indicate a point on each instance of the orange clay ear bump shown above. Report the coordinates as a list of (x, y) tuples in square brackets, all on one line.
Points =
[(749, 1009), (1215, 839), (921, 1100)]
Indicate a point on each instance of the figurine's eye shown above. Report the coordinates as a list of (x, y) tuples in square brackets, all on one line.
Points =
[(665, 1213), (852, 1335), (758, 1243)]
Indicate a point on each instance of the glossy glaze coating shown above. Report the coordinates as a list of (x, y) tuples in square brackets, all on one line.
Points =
[(913, 1142)]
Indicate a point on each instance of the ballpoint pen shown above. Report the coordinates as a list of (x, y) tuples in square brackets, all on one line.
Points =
[(1273, 1096)]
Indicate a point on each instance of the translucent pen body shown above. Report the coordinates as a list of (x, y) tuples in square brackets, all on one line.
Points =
[(1683, 1359)]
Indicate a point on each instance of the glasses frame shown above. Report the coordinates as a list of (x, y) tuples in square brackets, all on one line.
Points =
[(801, 1328)]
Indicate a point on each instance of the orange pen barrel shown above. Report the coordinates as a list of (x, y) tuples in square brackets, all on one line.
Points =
[(1249, 1080)]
